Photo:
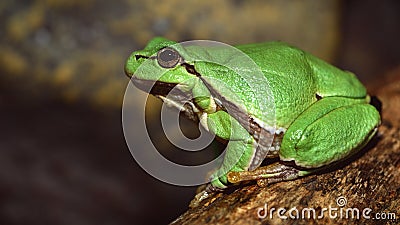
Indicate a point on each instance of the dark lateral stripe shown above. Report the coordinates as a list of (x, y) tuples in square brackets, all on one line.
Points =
[(240, 115)]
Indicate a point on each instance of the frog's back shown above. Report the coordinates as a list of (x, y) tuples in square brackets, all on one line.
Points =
[(289, 75), (298, 79)]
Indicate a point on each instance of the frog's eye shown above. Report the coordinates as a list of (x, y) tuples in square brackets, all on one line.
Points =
[(168, 57)]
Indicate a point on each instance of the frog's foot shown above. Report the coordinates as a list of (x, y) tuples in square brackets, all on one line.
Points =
[(199, 198), (268, 174), (209, 191), (205, 196)]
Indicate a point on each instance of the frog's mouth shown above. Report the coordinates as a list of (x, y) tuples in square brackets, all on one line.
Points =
[(170, 95), (153, 87)]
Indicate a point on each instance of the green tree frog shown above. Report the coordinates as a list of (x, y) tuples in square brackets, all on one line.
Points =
[(322, 113)]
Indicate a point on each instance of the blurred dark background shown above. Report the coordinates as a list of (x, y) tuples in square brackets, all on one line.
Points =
[(63, 158)]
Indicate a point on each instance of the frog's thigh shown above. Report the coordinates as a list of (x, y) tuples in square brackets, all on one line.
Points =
[(331, 129)]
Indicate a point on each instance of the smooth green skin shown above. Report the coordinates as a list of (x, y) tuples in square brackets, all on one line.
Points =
[(324, 110)]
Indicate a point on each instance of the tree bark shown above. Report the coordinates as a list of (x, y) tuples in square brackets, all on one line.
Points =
[(368, 183)]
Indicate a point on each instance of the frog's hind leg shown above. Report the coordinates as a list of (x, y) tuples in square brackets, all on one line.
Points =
[(329, 131), (265, 175)]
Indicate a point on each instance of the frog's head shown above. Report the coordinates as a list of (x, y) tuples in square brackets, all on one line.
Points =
[(159, 66)]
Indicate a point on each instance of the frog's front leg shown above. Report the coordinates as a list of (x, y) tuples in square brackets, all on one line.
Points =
[(329, 131), (239, 151)]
